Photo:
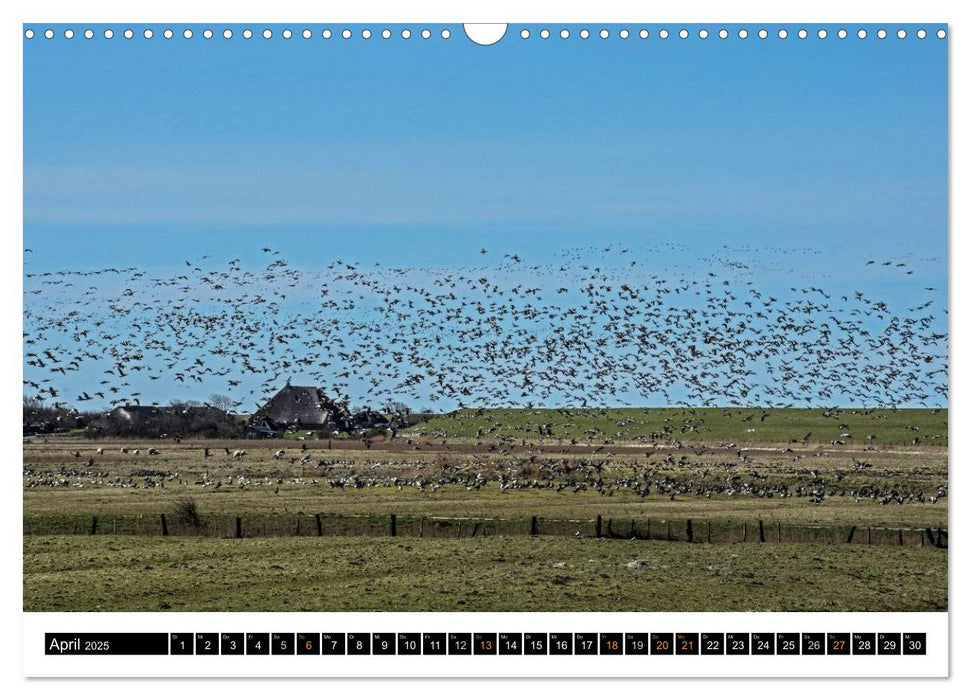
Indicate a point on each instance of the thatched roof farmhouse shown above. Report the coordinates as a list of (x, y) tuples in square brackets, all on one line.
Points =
[(301, 408)]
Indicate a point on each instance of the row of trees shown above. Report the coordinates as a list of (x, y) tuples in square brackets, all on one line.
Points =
[(212, 419), (175, 420), (178, 419), (43, 418)]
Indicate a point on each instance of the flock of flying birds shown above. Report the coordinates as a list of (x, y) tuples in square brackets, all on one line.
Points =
[(595, 328)]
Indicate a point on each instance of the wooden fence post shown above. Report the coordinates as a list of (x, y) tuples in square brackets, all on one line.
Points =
[(691, 532), (744, 532), (394, 525), (849, 539), (165, 526), (94, 525), (669, 530), (761, 530), (534, 526), (239, 527), (940, 544), (778, 527), (599, 525), (868, 535), (648, 528), (900, 537), (421, 526), (610, 527), (708, 537), (320, 525)]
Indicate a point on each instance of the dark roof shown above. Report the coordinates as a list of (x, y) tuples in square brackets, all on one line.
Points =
[(261, 429), (303, 406), (135, 411), (369, 419)]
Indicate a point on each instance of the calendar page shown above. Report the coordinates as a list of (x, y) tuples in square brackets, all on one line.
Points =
[(543, 349)]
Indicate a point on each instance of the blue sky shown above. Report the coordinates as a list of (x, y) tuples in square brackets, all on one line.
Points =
[(149, 153)]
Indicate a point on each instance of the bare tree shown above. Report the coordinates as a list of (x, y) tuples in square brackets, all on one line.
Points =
[(221, 401)]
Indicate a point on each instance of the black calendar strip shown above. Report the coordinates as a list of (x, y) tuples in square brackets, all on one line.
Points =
[(486, 643)]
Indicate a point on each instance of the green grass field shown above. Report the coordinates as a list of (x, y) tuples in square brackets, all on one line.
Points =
[(730, 468), (696, 425), (127, 485), (491, 574), (41, 509)]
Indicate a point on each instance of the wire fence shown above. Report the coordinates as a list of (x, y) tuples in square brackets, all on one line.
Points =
[(339, 525)]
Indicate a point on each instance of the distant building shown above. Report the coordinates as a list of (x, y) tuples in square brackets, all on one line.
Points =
[(263, 429), (176, 420), (43, 419), (299, 408), (372, 420), (135, 413), (142, 414)]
